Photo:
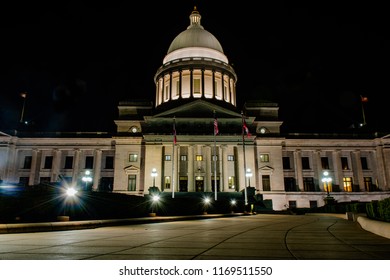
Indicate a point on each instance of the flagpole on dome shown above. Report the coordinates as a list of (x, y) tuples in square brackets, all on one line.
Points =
[(363, 100), (243, 150), (173, 156), (216, 131)]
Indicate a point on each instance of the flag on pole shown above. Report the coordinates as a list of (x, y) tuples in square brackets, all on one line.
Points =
[(216, 130), (364, 98), (23, 94), (174, 131), (245, 128)]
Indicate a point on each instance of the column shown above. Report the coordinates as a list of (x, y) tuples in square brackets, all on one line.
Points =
[(191, 168), (55, 171), (298, 169), (35, 167), (317, 155), (357, 170), (338, 172), (208, 159), (10, 173), (97, 169), (76, 166), (224, 174), (380, 168)]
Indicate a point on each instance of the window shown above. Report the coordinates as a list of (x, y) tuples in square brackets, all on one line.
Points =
[(344, 163), (266, 182), (23, 181), (167, 182), (44, 180), (324, 162), (230, 158), (231, 182), (347, 181), (292, 204), (215, 158), (109, 162), (177, 88), (48, 162), (308, 184), (132, 183), (363, 160), (133, 157), (27, 162), (289, 184), (199, 158), (68, 162), (167, 157), (286, 163), (264, 157), (305, 163), (313, 204), (183, 157), (196, 85), (368, 186), (89, 162)]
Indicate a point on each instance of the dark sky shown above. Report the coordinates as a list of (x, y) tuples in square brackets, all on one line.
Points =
[(76, 59)]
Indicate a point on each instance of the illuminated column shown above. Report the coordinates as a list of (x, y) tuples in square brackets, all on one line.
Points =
[(97, 169), (224, 174), (35, 167), (76, 166), (208, 159), (357, 171), (191, 168), (298, 169), (56, 165)]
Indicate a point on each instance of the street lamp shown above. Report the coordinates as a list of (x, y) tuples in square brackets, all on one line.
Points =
[(327, 181), (233, 203), (87, 178), (70, 193), (154, 175), (248, 175), (155, 199), (206, 202)]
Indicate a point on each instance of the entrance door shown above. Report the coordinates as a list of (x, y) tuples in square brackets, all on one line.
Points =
[(199, 184), (183, 184)]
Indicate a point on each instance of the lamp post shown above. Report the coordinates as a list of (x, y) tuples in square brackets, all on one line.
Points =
[(327, 181), (154, 175), (206, 202), (87, 178), (155, 199), (70, 193), (233, 203)]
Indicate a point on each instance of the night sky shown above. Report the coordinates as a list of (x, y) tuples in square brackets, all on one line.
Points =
[(76, 59)]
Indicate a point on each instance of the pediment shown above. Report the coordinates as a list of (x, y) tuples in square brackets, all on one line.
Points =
[(266, 169), (131, 169), (198, 109)]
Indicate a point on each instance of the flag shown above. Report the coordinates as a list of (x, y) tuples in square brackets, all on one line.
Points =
[(245, 128), (174, 132), (364, 98), (23, 94), (216, 130)]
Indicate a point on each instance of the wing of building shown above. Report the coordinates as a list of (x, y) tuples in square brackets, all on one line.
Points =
[(193, 138)]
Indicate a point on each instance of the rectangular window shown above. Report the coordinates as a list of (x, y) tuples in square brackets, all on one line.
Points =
[(167, 157), (89, 162), (23, 181), (324, 162), (305, 163), (230, 158), (183, 157), (363, 160), (199, 158), (308, 184), (368, 186), (196, 85), (215, 158), (68, 162), (264, 157), (286, 163), (167, 182), (344, 163), (132, 183), (133, 157), (292, 204), (266, 182), (177, 88), (313, 204), (166, 92), (109, 162), (347, 181), (27, 162), (48, 162), (231, 182), (289, 184)]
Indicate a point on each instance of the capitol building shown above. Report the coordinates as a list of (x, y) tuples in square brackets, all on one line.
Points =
[(193, 138)]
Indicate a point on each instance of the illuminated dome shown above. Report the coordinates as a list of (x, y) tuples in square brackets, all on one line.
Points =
[(195, 67), (195, 41)]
